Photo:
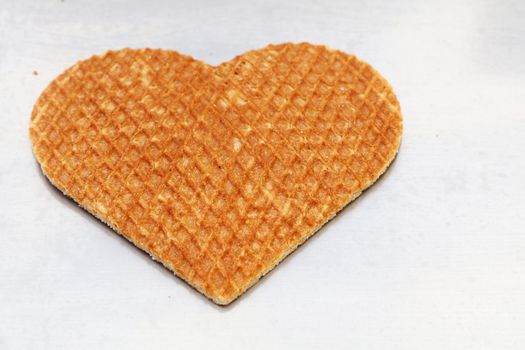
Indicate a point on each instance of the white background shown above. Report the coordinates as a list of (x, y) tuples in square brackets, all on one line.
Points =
[(432, 257)]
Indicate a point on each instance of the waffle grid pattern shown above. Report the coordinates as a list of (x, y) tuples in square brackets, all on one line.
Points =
[(217, 172)]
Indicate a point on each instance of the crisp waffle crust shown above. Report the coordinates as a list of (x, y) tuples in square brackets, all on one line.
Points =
[(217, 172)]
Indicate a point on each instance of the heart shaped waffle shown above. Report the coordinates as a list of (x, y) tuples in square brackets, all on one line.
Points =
[(217, 172)]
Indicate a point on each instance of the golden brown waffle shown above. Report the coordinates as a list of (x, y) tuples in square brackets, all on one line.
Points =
[(217, 172)]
